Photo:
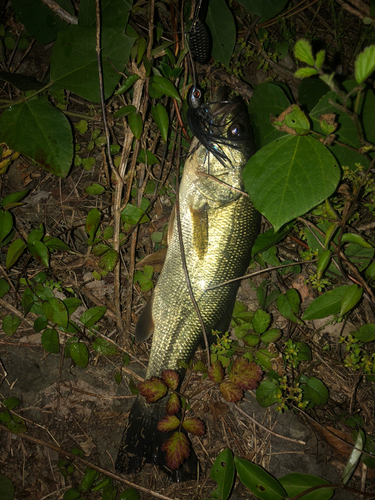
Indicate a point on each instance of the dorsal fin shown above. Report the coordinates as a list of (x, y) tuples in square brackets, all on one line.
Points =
[(145, 325)]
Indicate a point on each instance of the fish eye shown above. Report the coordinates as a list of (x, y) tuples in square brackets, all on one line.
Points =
[(235, 130), (195, 96)]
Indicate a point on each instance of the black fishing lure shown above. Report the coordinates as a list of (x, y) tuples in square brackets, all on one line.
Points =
[(200, 42), (206, 124)]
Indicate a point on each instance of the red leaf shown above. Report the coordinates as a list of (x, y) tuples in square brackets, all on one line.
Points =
[(244, 374), (177, 449), (216, 372), (194, 426), (173, 405), (231, 392), (168, 423), (171, 378), (153, 389)]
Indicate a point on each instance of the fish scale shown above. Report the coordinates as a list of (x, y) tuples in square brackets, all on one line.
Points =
[(218, 226)]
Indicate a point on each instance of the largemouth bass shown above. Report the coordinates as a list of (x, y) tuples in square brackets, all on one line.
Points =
[(219, 226)]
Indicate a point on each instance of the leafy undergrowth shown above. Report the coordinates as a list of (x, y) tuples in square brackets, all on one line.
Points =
[(84, 221)]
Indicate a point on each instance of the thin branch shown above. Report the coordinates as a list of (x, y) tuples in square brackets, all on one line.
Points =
[(75, 458), (183, 258), (243, 413)]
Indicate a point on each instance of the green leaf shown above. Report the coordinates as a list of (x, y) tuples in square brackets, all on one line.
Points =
[(92, 222), (287, 305), (129, 494), (54, 309), (328, 303), (261, 321), (50, 341), (351, 297), (88, 479), (95, 189), (93, 315), (4, 287), (16, 425), (52, 143), (11, 403), (268, 99), (14, 199), (79, 354), (305, 72), (267, 393), (264, 8), (74, 63), (6, 224), (268, 239), (303, 52), (359, 255), (6, 488), (161, 118), (10, 324), (354, 457), (104, 347), (223, 473), (260, 482), (148, 158), (221, 24), (113, 14), (55, 243), (271, 336), (39, 20), (133, 215), (295, 119), (124, 111), (40, 324), (165, 87), (365, 64), (129, 82), (295, 484), (310, 92), (316, 391), (290, 176), (136, 124), (109, 260), (366, 333), (71, 494), (40, 252)]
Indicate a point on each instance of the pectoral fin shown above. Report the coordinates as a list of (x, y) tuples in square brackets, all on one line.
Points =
[(200, 230), (170, 225), (145, 326)]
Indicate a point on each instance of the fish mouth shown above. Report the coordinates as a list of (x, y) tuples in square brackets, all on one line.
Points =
[(220, 124)]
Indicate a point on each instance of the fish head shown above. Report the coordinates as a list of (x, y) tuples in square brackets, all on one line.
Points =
[(224, 131)]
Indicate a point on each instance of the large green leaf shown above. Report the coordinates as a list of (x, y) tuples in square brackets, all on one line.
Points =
[(22, 82), (74, 64), (39, 20), (268, 99), (223, 473), (220, 21), (114, 13), (264, 8), (262, 484), (348, 157), (294, 484), (326, 304), (40, 131), (290, 176)]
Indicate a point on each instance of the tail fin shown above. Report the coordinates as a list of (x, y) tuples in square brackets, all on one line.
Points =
[(142, 443)]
